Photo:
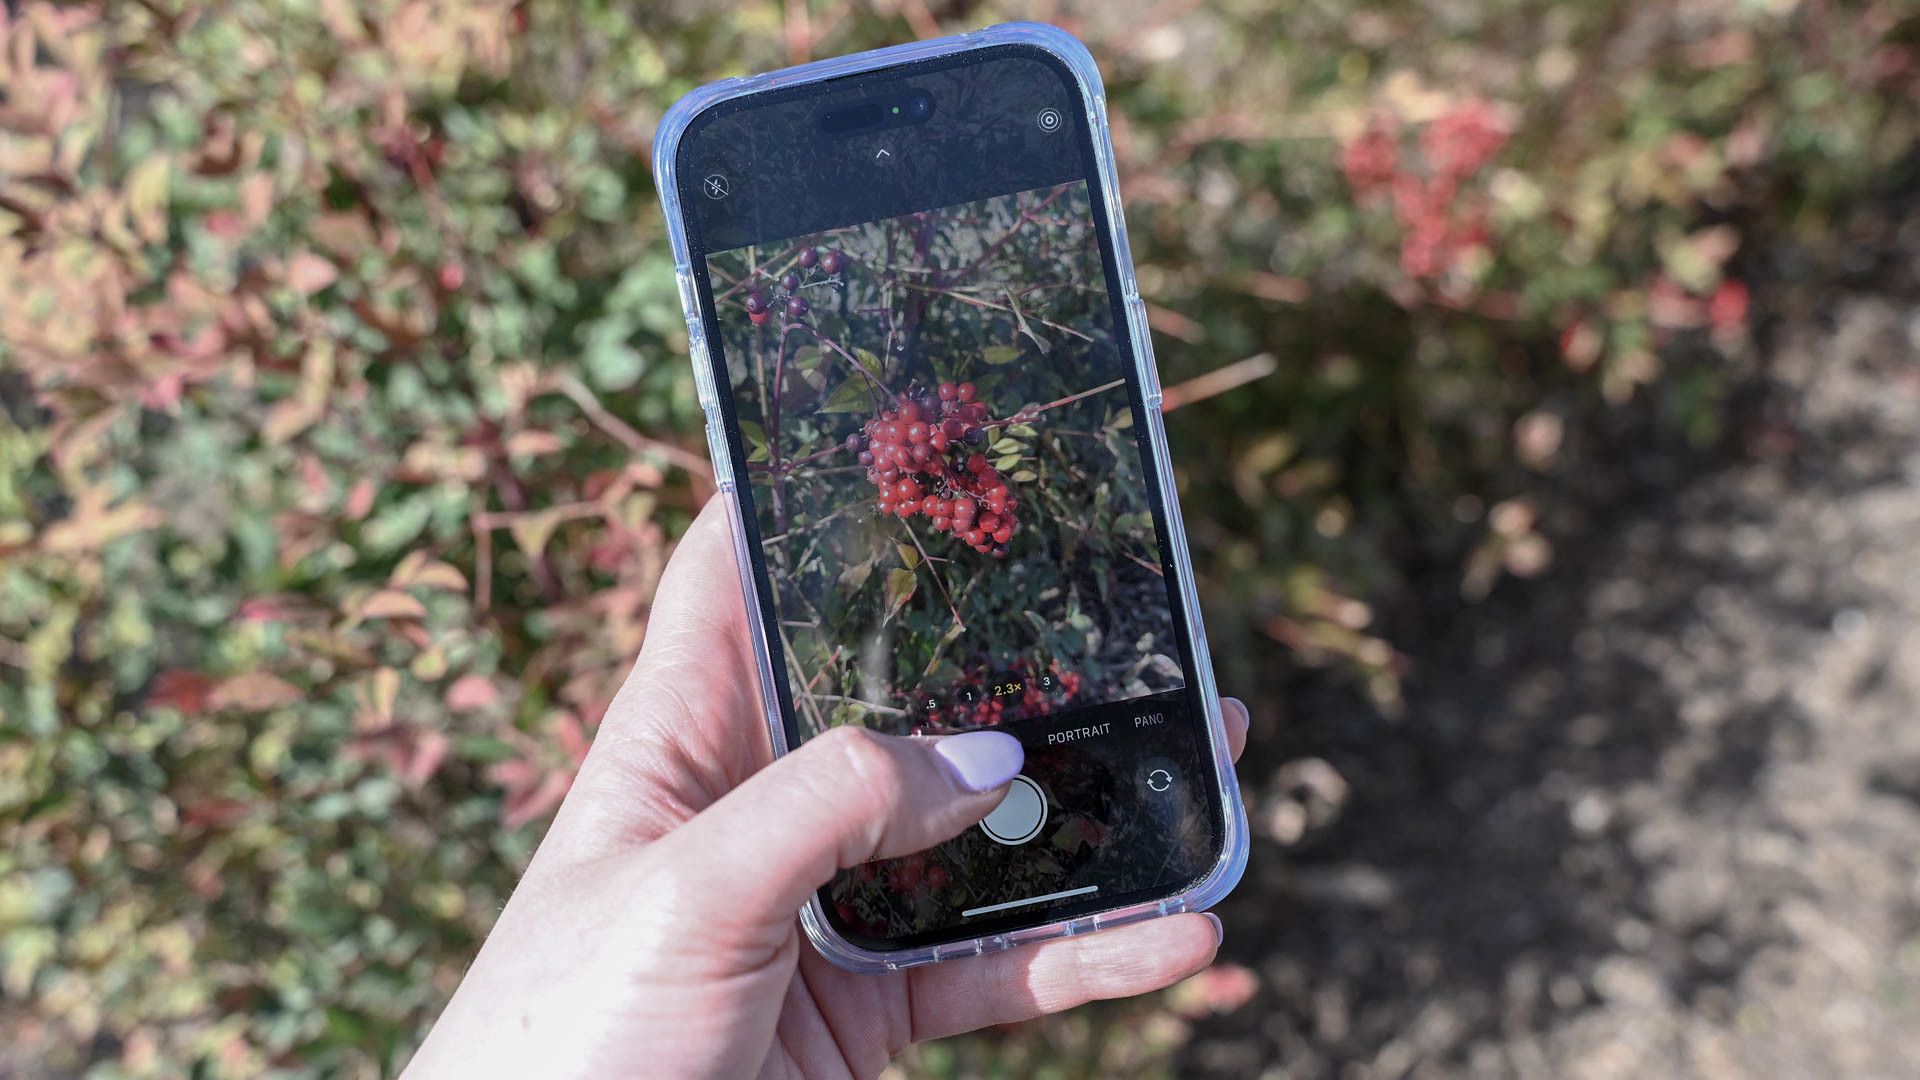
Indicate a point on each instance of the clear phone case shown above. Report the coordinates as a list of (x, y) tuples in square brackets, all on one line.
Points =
[(1064, 46)]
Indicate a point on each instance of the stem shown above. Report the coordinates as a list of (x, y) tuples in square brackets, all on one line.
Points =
[(1157, 571), (877, 384), (931, 572), (977, 302), (1032, 411), (1218, 381), (863, 704), (769, 541), (775, 392), (482, 565), (624, 432), (789, 467), (792, 258), (806, 690)]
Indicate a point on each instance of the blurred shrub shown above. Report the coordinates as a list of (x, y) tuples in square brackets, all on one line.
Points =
[(346, 421)]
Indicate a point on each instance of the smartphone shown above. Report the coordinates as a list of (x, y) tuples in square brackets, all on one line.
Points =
[(933, 410)]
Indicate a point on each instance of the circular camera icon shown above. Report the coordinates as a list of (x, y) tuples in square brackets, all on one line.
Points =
[(1049, 120)]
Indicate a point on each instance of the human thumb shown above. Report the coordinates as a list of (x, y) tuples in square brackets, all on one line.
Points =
[(842, 799)]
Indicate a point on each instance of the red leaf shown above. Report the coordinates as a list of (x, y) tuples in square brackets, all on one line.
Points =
[(213, 813), (278, 608), (470, 693), (163, 392), (428, 752), (1221, 988), (533, 443), (392, 604), (360, 499), (308, 273), (532, 802), (255, 691), (1727, 309), (572, 737), (187, 691)]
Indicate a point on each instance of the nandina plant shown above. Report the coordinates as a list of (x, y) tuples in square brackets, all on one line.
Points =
[(942, 467)]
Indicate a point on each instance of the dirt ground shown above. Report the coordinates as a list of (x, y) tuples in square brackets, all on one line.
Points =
[(1656, 813)]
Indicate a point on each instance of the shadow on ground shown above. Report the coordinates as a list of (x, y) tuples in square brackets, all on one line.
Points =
[(1658, 812)]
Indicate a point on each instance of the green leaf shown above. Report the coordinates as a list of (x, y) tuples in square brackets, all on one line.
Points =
[(940, 665), (1032, 335), (909, 555), (856, 575), (900, 587), (850, 396), (1009, 446), (612, 364), (147, 189), (1024, 431), (1000, 354), (532, 531), (396, 526), (756, 440), (1024, 476), (1007, 462)]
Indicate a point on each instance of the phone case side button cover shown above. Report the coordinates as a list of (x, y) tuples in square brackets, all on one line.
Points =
[(702, 370), (1143, 348), (717, 451), (696, 338)]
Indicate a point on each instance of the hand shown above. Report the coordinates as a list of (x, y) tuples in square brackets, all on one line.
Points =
[(655, 932)]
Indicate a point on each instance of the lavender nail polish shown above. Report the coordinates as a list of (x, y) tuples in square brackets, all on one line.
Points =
[(981, 760), (1219, 928)]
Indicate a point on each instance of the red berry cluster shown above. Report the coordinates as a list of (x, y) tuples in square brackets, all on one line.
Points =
[(760, 304), (1442, 221), (923, 456), (1371, 158)]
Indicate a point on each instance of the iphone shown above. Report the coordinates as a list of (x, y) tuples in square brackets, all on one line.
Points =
[(933, 410)]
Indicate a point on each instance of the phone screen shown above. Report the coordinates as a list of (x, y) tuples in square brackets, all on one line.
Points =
[(940, 445)]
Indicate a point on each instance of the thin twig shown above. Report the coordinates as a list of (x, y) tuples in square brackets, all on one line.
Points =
[(572, 511), (1157, 571), (1219, 381), (808, 527), (806, 693), (624, 432), (876, 383), (977, 302), (843, 699), (789, 467), (1032, 411), (482, 566), (931, 572)]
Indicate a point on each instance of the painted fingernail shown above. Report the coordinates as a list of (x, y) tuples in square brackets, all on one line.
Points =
[(1219, 929), (1237, 704), (981, 760)]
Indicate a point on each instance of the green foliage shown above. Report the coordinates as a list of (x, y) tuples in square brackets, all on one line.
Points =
[(345, 420)]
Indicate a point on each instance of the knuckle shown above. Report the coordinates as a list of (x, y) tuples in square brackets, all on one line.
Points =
[(862, 776), (863, 756)]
